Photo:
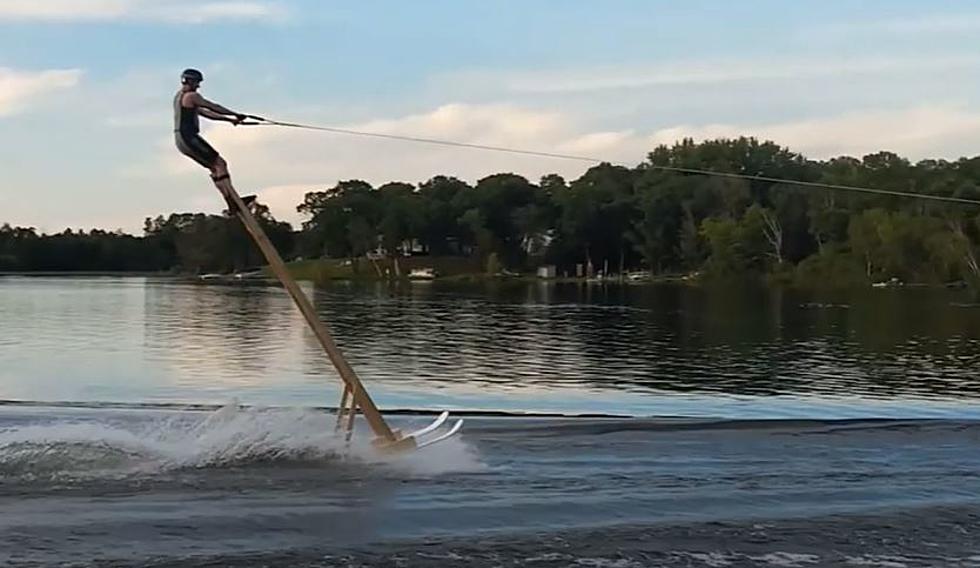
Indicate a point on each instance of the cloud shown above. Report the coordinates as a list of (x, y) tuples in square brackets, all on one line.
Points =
[(134, 120), (18, 89), (174, 11), (235, 10), (933, 24), (918, 132), (701, 73)]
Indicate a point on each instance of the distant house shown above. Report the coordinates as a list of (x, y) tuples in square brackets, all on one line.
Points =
[(548, 271), (537, 244)]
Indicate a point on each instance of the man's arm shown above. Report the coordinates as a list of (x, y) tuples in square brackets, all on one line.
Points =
[(204, 104), (210, 114)]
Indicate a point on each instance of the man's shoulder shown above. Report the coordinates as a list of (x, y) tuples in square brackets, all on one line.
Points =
[(189, 98)]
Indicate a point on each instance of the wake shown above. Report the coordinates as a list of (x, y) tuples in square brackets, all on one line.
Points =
[(107, 445)]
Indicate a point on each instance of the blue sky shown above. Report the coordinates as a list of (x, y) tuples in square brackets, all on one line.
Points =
[(86, 86)]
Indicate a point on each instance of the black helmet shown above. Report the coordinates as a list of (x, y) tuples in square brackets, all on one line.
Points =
[(191, 75)]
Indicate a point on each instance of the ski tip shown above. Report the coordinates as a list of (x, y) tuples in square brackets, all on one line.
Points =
[(435, 425), (457, 426)]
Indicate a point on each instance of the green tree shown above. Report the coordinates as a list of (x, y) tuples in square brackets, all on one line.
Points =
[(342, 221), (487, 215), (440, 230)]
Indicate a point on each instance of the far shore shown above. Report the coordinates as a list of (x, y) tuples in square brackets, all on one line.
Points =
[(461, 270)]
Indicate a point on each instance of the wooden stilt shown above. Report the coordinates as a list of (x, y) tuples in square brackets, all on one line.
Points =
[(349, 427), (342, 408), (385, 437)]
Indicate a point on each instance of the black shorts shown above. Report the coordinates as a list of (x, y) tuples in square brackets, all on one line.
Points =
[(197, 149)]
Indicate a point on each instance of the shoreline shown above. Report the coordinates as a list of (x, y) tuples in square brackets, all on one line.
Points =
[(212, 407), (479, 278)]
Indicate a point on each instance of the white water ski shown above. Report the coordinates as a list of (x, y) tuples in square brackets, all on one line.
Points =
[(431, 427), (452, 432)]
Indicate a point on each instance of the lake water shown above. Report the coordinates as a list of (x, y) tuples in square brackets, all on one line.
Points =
[(766, 428), (633, 350)]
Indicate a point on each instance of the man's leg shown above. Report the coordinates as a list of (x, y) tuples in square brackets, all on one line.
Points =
[(220, 175), (222, 180), (198, 149)]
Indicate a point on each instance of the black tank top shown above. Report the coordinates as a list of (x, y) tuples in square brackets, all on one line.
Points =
[(185, 119)]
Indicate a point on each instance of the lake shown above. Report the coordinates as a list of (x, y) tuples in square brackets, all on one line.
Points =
[(627, 350)]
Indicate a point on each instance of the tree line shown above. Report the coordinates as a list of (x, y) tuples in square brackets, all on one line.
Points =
[(611, 218), (191, 243)]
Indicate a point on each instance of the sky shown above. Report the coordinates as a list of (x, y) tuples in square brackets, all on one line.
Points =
[(86, 88)]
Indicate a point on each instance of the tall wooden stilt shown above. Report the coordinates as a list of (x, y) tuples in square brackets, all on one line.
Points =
[(360, 399)]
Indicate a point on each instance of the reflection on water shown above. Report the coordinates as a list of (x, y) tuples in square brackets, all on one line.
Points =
[(623, 349)]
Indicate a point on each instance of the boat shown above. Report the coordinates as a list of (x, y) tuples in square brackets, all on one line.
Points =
[(892, 283), (422, 274)]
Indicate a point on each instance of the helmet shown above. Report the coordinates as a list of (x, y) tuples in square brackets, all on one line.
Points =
[(191, 75)]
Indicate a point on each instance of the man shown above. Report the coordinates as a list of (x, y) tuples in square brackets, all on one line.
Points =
[(189, 105)]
